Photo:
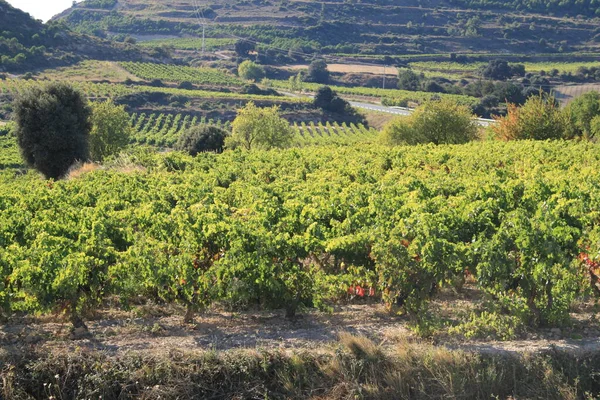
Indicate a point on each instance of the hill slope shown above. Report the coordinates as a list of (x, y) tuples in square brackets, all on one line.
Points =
[(26, 43), (371, 26)]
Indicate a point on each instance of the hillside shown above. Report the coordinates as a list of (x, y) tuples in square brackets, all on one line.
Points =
[(370, 27), (26, 43)]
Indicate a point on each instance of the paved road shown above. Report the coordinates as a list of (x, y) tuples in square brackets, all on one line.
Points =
[(404, 111), (391, 110)]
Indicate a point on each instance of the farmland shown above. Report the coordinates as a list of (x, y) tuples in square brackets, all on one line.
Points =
[(273, 218)]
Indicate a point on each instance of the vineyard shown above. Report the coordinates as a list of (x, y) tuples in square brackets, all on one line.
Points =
[(298, 228), (210, 44), (389, 96), (105, 90), (164, 130), (176, 73), (333, 133)]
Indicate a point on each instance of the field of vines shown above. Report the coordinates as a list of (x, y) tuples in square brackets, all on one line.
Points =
[(211, 44), (387, 95), (111, 90), (298, 228), (177, 73), (163, 130), (460, 68), (308, 134)]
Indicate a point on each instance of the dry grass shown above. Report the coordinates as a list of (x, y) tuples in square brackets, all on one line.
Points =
[(354, 368), (80, 169)]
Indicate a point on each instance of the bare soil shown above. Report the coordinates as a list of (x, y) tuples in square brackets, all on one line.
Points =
[(352, 68), (157, 329)]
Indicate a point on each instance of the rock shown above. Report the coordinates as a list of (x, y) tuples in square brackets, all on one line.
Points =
[(79, 333), (109, 332), (32, 338), (556, 332)]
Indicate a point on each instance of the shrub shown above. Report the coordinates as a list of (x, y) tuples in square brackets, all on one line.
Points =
[(408, 80), (52, 127), (201, 138), (438, 122), (328, 100), (580, 114), (111, 130), (539, 118), (186, 85), (251, 71), (318, 72), (262, 128), (400, 131)]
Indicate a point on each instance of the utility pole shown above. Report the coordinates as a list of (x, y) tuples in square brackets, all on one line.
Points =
[(384, 76), (203, 39)]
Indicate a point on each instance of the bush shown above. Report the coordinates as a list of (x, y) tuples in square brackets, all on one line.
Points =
[(318, 72), (400, 131), (111, 130), (186, 85), (438, 122), (251, 71), (408, 80), (261, 128), (581, 112), (201, 138), (539, 118), (328, 100), (52, 128), (253, 89)]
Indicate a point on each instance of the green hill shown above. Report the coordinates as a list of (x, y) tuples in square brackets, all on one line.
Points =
[(27, 44), (382, 27)]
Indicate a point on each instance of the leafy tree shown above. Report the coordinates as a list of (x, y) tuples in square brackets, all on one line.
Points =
[(408, 80), (201, 138), (501, 70), (438, 122), (509, 93), (259, 128), (328, 100), (251, 71), (111, 130), (581, 113), (400, 131), (318, 72), (53, 126), (539, 118), (243, 48), (296, 82)]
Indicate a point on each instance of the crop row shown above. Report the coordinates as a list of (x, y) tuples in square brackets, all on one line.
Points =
[(177, 73), (417, 97), (299, 227), (210, 44), (163, 130), (332, 133), (111, 90)]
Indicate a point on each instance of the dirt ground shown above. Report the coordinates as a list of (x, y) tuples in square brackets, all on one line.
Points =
[(352, 68), (157, 329)]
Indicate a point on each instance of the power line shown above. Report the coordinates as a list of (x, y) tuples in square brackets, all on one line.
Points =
[(286, 51)]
